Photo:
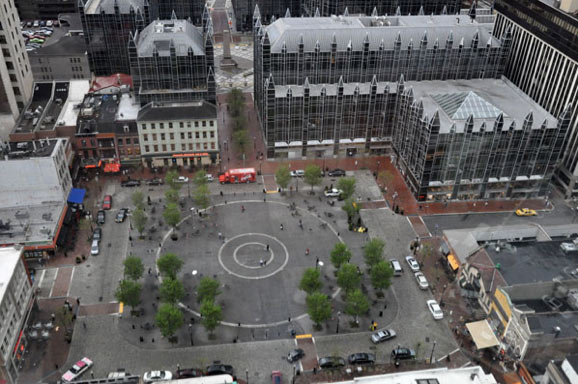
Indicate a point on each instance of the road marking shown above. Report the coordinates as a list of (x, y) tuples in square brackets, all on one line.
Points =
[(54, 282), (70, 282), (449, 354), (41, 278), (305, 336), (120, 307)]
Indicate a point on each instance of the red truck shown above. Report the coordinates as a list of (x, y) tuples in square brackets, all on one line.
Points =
[(239, 175)]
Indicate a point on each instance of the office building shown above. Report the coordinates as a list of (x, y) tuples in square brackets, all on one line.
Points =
[(16, 299), (183, 9), (543, 63), (15, 72), (107, 25), (172, 61), (562, 371), (472, 375), (63, 60)]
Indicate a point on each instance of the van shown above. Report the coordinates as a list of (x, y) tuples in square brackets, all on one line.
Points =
[(396, 266)]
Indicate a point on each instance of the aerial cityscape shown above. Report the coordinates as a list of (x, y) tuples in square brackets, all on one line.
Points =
[(289, 192)]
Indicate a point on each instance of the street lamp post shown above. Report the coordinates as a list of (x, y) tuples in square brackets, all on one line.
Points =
[(432, 352), (193, 217), (338, 318), (247, 375), (377, 168), (191, 333)]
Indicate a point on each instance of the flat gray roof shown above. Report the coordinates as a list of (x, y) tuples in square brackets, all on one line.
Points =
[(9, 257), (96, 6), (34, 224), (160, 34)]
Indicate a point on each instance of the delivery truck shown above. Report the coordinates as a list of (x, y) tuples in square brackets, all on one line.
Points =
[(239, 175)]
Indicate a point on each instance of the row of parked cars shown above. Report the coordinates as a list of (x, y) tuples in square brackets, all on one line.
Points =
[(121, 216), (34, 38), (333, 173)]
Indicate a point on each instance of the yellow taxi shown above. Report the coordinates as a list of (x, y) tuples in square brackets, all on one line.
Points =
[(526, 212)]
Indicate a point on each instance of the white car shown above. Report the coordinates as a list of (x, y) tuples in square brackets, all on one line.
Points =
[(210, 177), (94, 248), (435, 309), (333, 192), (421, 281), (298, 173), (182, 179), (154, 376), (77, 369), (413, 264)]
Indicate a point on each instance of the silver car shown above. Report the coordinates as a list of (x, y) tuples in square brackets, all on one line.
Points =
[(421, 281), (95, 248)]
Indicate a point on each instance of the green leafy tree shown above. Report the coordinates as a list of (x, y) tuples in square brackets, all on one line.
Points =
[(351, 208), (128, 292), (133, 267), (172, 196), (169, 319), (339, 255), (212, 315), (172, 215), (241, 139), (348, 277), (347, 185), (202, 196), (239, 123), (283, 176), (64, 318), (311, 281), (139, 218), (236, 102), (200, 178), (381, 274), (312, 175), (171, 290), (208, 289), (138, 199), (171, 180), (356, 304), (318, 308), (373, 252), (169, 265)]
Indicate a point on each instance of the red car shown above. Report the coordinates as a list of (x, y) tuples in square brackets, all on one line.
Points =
[(107, 203), (276, 377)]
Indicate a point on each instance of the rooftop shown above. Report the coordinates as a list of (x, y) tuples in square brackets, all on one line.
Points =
[(473, 375), (9, 257), (177, 111), (34, 112), (161, 35), (107, 6), (349, 30), (34, 224), (66, 45), (566, 323), (29, 149), (102, 83), (76, 92), (98, 114), (55, 106)]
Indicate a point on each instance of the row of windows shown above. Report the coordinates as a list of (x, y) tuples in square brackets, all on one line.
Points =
[(181, 124), (211, 134), (121, 142), (75, 59), (183, 147)]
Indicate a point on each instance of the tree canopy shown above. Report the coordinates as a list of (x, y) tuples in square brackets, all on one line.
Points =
[(339, 255), (169, 319), (348, 277), (133, 267), (283, 176), (311, 281), (312, 175), (318, 307), (169, 265)]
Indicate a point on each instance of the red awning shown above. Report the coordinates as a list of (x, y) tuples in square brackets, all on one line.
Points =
[(197, 154), (111, 167)]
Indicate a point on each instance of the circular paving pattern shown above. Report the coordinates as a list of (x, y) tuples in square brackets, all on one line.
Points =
[(250, 255)]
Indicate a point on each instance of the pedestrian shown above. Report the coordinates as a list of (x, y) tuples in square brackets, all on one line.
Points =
[(242, 208), (267, 247), (150, 270), (84, 324), (220, 235), (141, 339), (78, 301), (261, 262), (265, 263), (92, 374), (56, 366), (153, 340), (221, 193), (307, 252), (281, 227), (133, 326)]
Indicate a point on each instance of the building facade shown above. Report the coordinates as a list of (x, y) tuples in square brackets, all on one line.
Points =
[(15, 71), (45, 9), (16, 298), (183, 134), (63, 60), (183, 9), (543, 62), (172, 61), (388, 7)]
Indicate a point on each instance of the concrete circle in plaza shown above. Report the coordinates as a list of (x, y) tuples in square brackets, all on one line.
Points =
[(248, 254)]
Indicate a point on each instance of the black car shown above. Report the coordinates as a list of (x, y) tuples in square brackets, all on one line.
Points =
[(97, 234), (336, 172), (100, 217), (219, 369), (295, 355), (188, 373), (403, 354), (130, 183), (155, 181), (331, 362), (121, 215), (361, 358)]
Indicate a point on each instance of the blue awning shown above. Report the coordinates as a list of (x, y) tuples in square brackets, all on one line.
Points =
[(76, 195)]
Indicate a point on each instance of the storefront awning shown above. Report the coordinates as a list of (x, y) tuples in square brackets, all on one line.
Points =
[(76, 195), (453, 262), (195, 154), (112, 167), (482, 334)]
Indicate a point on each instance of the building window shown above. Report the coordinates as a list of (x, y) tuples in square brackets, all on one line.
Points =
[(196, 124), (171, 136), (153, 126), (127, 141), (173, 147), (211, 123), (170, 125), (156, 148), (205, 146), (198, 145), (204, 134), (212, 134), (5, 52), (212, 145), (147, 149), (161, 125), (120, 143), (145, 137), (164, 147), (143, 126), (190, 135), (182, 135), (135, 141), (188, 124), (2, 39), (181, 125), (162, 136), (154, 137), (190, 146), (16, 91), (9, 65), (197, 136), (83, 143), (183, 147)]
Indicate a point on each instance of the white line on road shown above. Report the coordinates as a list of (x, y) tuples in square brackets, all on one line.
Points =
[(54, 282), (70, 282)]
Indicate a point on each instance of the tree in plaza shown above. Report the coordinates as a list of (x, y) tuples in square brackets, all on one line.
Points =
[(212, 315), (236, 102), (138, 199), (169, 319), (171, 290), (128, 292), (339, 255), (172, 215), (64, 317), (241, 139), (171, 180), (202, 196), (239, 123), (427, 250), (312, 175), (169, 265), (139, 218), (208, 289), (348, 277), (283, 176), (318, 308), (381, 274), (351, 208), (133, 267), (373, 252), (356, 304), (347, 185), (200, 178), (172, 196), (311, 281)]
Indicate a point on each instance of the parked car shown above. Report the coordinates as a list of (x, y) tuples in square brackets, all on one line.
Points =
[(36, 24), (154, 376), (29, 24), (435, 309), (107, 202), (219, 369), (37, 40), (570, 247), (121, 215), (331, 362), (188, 373), (100, 217), (182, 179), (334, 192), (276, 377), (297, 173), (412, 262), (421, 280), (43, 23), (130, 183), (295, 355), (49, 23), (525, 212), (77, 370), (210, 177), (336, 172), (56, 23), (382, 335), (95, 248), (97, 234), (403, 354), (155, 181), (361, 358)]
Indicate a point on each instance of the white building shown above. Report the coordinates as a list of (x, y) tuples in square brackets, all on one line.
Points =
[(470, 375), (178, 134), (562, 372), (15, 305)]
